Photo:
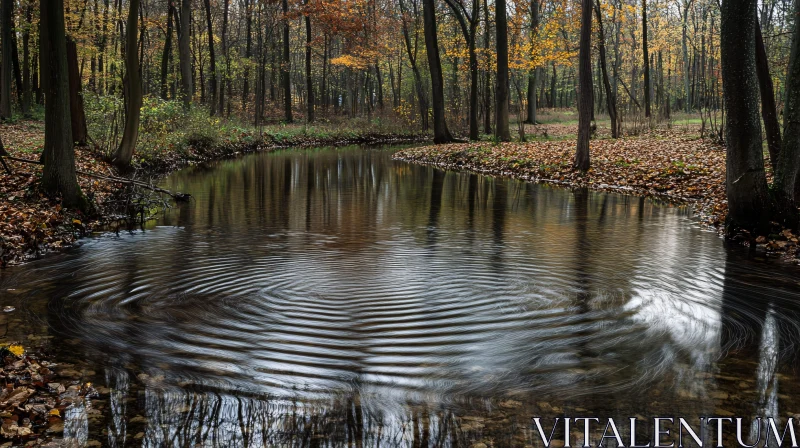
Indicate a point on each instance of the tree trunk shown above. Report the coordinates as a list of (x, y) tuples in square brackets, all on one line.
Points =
[(646, 58), (585, 100), (247, 52), (787, 181), (311, 103), (6, 75), (212, 60), (185, 53), (26, 62), (487, 85), (768, 109), (165, 57), (78, 116), (226, 81), (502, 131), (285, 65), (684, 38), (469, 28), (133, 90), (746, 184), (58, 155), (440, 132), (532, 76), (611, 100)]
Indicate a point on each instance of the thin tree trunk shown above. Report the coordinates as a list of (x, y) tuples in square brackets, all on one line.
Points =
[(487, 85), (133, 90), (285, 65), (26, 62), (226, 80), (212, 60), (77, 114), (311, 103), (502, 131), (247, 52), (646, 58), (768, 109), (6, 75), (165, 57), (185, 53), (611, 100), (585, 104), (533, 75)]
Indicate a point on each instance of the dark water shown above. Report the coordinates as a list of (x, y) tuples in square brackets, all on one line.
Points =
[(338, 298)]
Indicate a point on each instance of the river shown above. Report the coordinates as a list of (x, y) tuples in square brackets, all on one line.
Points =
[(335, 297)]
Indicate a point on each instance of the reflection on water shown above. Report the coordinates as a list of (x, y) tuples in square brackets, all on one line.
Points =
[(335, 297)]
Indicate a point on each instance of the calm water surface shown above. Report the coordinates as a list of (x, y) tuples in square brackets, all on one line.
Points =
[(336, 297)]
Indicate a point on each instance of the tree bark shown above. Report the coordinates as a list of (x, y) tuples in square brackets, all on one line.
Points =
[(248, 52), (585, 100), (469, 28), (58, 175), (133, 90), (165, 57), (746, 183), (440, 132), (646, 57), (311, 103), (212, 60), (80, 134), (533, 75), (26, 62), (286, 81), (502, 131), (787, 180), (768, 109), (6, 75), (226, 81), (611, 99), (185, 53)]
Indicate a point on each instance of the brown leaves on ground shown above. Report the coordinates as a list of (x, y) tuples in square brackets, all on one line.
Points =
[(30, 222), (32, 398), (660, 164)]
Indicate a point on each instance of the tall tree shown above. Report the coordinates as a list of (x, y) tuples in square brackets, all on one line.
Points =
[(226, 79), (746, 185), (469, 21), (502, 96), (212, 59), (58, 176), (440, 132), (286, 80), (185, 53), (133, 90), (611, 98), (646, 58), (6, 75), (167, 54), (309, 78), (585, 90), (422, 97), (80, 133), (26, 59), (533, 75), (787, 180), (768, 109)]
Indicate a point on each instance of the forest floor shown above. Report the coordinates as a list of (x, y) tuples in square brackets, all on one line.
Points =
[(671, 163), (31, 224)]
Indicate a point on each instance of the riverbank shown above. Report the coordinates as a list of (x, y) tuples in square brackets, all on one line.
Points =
[(32, 224), (661, 164)]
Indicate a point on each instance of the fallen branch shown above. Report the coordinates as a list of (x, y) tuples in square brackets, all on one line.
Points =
[(122, 180)]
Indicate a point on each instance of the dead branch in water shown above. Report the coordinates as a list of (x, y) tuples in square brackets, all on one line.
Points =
[(176, 196)]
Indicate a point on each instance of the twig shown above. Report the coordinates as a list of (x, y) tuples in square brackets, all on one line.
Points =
[(107, 178)]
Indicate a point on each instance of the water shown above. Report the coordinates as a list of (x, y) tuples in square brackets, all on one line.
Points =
[(336, 297)]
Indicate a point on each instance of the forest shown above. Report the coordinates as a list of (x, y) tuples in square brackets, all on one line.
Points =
[(394, 222), (132, 73)]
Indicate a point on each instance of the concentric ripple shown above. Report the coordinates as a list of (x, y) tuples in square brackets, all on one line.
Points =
[(342, 275)]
